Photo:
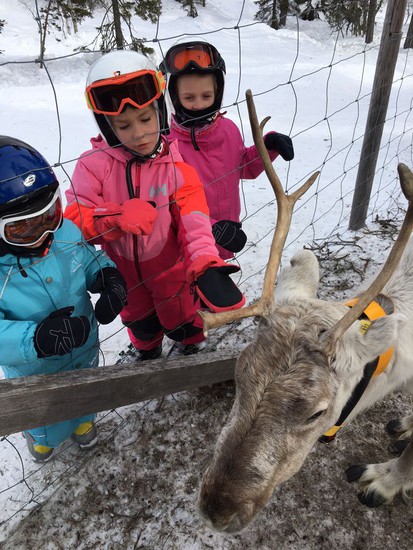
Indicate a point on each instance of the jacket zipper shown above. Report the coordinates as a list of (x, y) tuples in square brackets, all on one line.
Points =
[(132, 194)]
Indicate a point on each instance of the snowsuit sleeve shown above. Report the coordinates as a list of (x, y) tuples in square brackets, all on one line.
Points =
[(81, 203), (17, 342), (192, 216), (251, 162)]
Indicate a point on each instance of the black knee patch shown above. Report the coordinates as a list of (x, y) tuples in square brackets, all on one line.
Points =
[(183, 331), (145, 329)]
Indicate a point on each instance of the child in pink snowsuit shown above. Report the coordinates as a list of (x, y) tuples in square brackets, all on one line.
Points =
[(134, 195), (211, 143)]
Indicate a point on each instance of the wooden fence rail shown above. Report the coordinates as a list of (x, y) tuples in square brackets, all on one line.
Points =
[(45, 399)]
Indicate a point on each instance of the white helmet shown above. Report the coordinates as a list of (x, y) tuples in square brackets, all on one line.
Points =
[(118, 61), (121, 78)]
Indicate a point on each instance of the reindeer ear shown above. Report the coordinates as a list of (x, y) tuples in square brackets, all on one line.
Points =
[(364, 346), (300, 279)]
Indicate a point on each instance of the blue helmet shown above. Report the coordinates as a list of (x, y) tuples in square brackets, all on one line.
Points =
[(24, 175)]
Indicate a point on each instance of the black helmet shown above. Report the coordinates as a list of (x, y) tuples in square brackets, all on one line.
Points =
[(196, 57)]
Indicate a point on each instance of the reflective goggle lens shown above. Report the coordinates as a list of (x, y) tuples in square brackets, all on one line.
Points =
[(26, 230), (202, 56), (109, 96)]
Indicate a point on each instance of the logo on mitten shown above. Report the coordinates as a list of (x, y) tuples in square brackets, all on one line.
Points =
[(64, 339), (120, 291)]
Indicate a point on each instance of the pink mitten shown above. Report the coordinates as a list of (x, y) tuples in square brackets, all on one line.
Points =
[(138, 217), (133, 216)]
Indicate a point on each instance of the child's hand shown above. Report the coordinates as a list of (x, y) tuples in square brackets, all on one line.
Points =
[(217, 290), (59, 333), (280, 143), (133, 216), (213, 284), (138, 217), (112, 287), (229, 235)]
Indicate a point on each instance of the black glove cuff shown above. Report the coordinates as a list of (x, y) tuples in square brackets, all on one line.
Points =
[(106, 276)]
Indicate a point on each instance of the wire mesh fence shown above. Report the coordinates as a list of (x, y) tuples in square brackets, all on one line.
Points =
[(329, 129)]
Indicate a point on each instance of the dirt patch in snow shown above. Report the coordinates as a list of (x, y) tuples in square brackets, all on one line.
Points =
[(139, 488)]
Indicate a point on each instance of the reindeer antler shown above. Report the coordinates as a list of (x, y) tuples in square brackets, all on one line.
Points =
[(406, 183), (285, 206)]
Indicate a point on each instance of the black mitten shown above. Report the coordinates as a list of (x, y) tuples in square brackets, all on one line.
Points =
[(229, 235), (112, 287), (280, 143), (217, 290), (59, 333)]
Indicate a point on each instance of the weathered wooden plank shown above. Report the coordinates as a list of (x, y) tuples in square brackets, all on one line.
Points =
[(46, 399)]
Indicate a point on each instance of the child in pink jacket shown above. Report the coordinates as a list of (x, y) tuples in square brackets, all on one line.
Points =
[(211, 143), (133, 194)]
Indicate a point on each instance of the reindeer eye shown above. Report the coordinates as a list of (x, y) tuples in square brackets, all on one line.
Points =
[(315, 416)]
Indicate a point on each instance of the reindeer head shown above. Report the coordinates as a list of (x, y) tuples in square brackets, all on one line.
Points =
[(295, 378)]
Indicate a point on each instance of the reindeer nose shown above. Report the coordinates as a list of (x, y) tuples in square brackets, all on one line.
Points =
[(234, 525)]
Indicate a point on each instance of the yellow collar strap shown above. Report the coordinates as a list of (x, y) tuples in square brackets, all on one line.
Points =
[(374, 368), (374, 311)]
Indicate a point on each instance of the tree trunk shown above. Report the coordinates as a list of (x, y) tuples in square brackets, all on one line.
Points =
[(117, 25), (43, 33), (283, 12), (371, 16), (408, 43), (192, 12), (274, 18)]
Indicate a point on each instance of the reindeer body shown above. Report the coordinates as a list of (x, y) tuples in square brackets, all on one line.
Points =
[(295, 378), (290, 392)]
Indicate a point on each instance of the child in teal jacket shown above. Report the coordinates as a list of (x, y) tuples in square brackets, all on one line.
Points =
[(47, 321)]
